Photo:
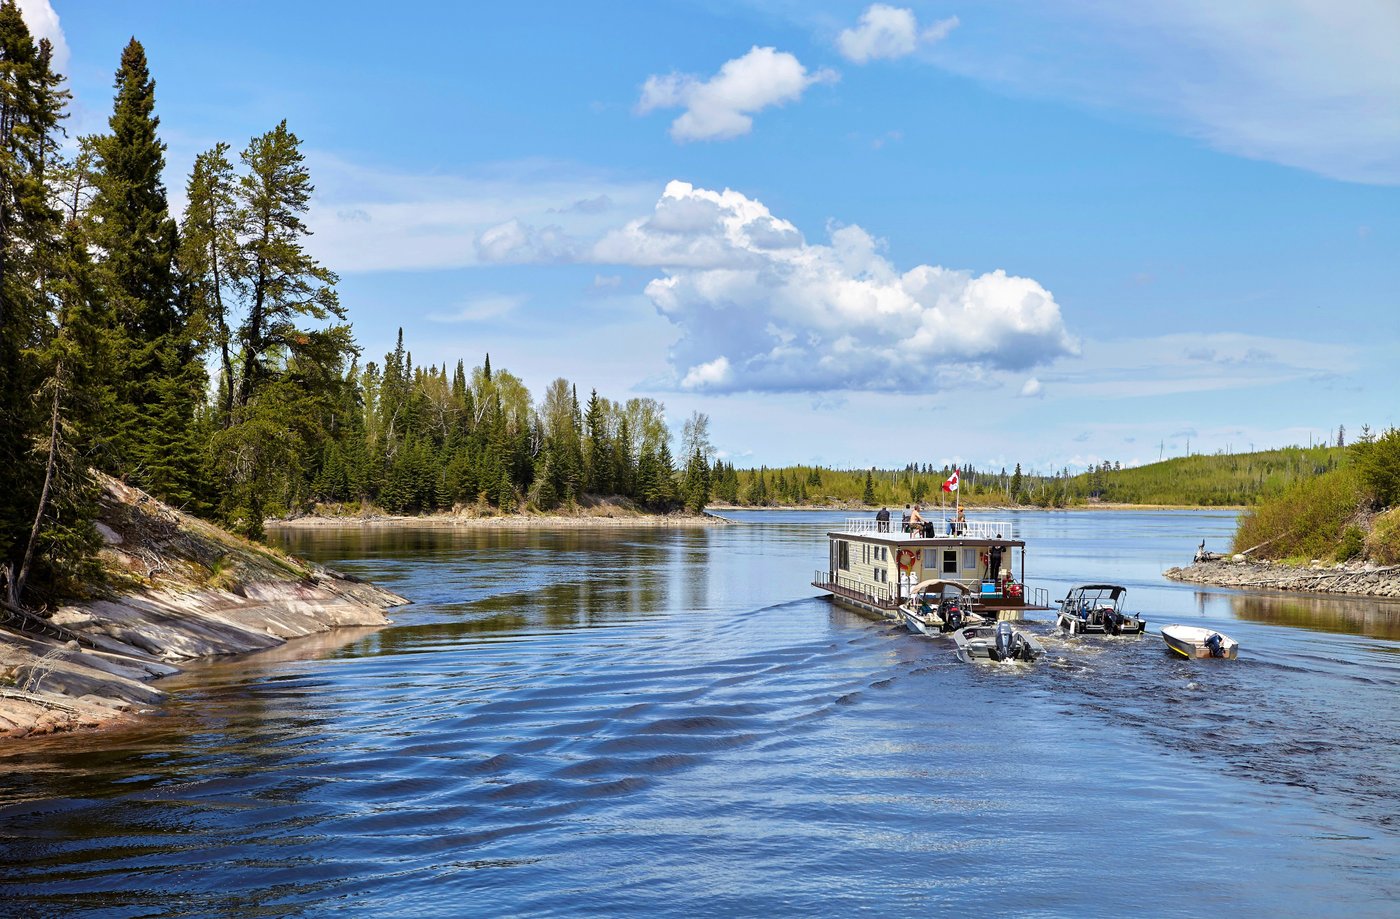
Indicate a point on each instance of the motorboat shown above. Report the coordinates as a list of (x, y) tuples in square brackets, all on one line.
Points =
[(1098, 609), (1193, 641), (999, 642), (936, 607)]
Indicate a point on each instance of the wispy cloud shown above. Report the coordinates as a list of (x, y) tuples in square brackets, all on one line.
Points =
[(368, 219), (480, 309), (889, 32), (723, 106), (1300, 82)]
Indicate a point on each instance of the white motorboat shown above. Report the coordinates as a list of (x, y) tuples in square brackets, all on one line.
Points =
[(1195, 642), (936, 607), (999, 642), (1098, 608)]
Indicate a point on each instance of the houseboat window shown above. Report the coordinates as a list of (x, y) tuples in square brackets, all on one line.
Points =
[(843, 555), (950, 561), (969, 558)]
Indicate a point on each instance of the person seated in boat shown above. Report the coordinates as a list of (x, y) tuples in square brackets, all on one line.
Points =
[(916, 521), (882, 520), (904, 520), (961, 522)]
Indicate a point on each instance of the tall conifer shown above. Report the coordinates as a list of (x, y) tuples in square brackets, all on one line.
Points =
[(158, 378)]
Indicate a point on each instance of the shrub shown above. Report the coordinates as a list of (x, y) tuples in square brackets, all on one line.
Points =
[(1307, 519), (1352, 544), (1383, 544)]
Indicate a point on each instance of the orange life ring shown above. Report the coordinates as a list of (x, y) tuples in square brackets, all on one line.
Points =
[(908, 559)]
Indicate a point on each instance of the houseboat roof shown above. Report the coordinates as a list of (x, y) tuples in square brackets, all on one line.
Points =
[(972, 533)]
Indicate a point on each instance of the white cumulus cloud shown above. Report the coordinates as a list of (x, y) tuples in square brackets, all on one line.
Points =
[(42, 20), (1032, 389), (760, 308), (888, 32), (723, 106)]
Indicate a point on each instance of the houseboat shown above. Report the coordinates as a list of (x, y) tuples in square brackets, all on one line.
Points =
[(873, 566)]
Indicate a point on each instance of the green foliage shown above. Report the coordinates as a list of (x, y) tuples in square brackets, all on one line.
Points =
[(1378, 464), (1383, 542), (1352, 543), (157, 375), (1308, 519)]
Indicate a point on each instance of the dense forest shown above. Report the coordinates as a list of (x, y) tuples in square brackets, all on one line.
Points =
[(1197, 480), (210, 362)]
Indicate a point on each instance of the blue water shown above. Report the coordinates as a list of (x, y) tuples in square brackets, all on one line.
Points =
[(671, 722)]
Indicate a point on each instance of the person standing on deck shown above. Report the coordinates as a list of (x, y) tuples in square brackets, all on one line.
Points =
[(882, 520)]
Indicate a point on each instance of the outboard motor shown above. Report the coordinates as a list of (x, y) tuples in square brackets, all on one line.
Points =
[(1112, 621), (952, 618), (1216, 644), (1004, 636)]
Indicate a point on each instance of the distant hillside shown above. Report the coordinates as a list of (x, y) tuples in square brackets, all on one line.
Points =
[(1209, 481)]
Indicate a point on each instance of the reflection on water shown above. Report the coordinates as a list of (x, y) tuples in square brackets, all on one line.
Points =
[(1372, 617), (672, 723)]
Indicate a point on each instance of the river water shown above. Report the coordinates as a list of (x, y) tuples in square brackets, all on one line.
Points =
[(672, 722)]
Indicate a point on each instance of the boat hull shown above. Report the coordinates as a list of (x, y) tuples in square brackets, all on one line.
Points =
[(1193, 642)]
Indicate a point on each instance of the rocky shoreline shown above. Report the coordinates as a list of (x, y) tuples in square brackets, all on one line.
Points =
[(180, 590), (1364, 579)]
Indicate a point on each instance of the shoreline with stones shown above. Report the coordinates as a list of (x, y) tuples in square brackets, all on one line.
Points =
[(1351, 578)]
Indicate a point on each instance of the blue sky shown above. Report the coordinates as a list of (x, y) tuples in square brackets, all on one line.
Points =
[(1051, 234)]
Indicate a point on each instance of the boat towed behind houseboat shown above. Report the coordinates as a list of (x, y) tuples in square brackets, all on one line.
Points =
[(936, 607), (873, 566), (1098, 608)]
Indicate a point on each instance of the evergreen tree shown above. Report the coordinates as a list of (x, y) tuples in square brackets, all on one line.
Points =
[(868, 497), (36, 364), (1016, 485), (288, 377), (159, 383), (697, 482)]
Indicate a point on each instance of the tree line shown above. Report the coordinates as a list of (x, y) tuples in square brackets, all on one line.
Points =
[(1238, 479), (210, 362)]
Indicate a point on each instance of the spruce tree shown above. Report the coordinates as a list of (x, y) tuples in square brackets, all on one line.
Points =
[(158, 378)]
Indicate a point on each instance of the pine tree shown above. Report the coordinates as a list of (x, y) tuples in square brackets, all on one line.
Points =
[(288, 376), (868, 497)]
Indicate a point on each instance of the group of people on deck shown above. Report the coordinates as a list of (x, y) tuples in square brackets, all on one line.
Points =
[(914, 522)]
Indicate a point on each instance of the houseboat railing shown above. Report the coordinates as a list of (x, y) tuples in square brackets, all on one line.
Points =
[(875, 594), (975, 529)]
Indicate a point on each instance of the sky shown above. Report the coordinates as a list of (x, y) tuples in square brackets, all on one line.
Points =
[(852, 234)]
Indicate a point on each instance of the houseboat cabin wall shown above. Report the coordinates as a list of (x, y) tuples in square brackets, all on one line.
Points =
[(875, 563)]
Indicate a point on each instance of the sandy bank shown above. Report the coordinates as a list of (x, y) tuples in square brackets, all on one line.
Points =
[(1353, 578), (179, 590)]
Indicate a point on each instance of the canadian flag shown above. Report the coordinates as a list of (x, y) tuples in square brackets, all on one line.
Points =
[(952, 483)]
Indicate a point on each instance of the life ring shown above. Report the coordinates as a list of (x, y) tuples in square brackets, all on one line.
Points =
[(908, 559)]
